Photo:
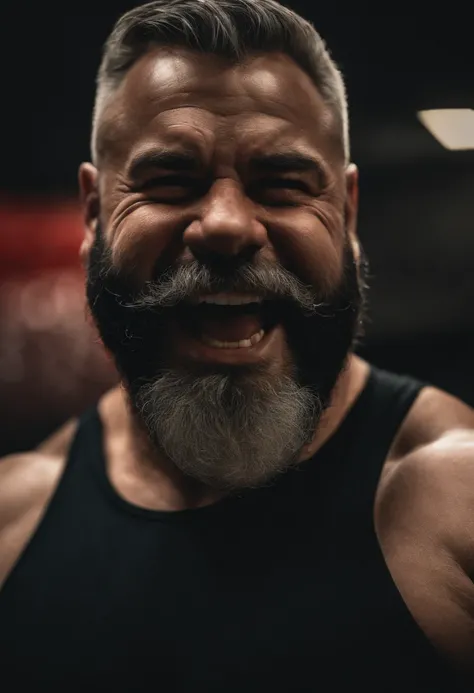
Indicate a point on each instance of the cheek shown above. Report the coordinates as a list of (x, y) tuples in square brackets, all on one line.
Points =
[(146, 236), (309, 247)]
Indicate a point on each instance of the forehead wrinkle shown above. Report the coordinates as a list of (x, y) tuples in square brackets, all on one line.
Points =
[(227, 145), (278, 135), (140, 103), (165, 79), (128, 138)]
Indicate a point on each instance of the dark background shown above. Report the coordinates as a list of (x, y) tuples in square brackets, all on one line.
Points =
[(416, 217)]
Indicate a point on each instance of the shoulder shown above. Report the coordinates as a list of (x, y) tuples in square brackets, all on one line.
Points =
[(428, 486), (424, 520), (434, 415), (28, 478), (26, 481), (27, 484)]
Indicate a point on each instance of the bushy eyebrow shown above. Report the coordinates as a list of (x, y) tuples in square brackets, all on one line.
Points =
[(187, 160)]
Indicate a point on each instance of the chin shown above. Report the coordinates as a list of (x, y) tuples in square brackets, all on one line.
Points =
[(227, 430)]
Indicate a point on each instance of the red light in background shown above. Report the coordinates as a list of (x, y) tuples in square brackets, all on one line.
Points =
[(36, 234), (52, 364)]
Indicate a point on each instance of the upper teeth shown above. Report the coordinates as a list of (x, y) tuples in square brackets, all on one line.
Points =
[(228, 299)]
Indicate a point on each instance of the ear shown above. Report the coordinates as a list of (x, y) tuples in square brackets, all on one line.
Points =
[(352, 207), (90, 203)]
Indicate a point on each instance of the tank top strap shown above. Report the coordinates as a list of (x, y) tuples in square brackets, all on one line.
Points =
[(87, 442), (85, 458), (372, 427)]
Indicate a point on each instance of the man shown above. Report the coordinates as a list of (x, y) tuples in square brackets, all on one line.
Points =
[(254, 508)]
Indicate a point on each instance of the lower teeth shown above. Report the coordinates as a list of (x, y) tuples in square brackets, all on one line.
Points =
[(243, 344)]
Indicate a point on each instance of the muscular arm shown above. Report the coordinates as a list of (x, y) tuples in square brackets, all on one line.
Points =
[(425, 524)]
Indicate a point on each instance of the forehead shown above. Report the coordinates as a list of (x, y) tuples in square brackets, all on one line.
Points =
[(180, 96)]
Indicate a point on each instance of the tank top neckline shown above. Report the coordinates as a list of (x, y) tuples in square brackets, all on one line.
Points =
[(98, 460)]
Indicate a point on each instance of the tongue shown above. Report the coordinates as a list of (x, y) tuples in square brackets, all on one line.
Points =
[(232, 328)]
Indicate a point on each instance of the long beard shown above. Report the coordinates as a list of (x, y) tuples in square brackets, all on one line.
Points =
[(228, 433), (236, 428)]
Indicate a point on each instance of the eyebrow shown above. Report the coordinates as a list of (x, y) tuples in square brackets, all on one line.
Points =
[(166, 159), (182, 160), (286, 162)]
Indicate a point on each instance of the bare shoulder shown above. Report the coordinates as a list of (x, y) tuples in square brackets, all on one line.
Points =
[(430, 476), (26, 476), (434, 415), (424, 518), (27, 484), (432, 489), (27, 479)]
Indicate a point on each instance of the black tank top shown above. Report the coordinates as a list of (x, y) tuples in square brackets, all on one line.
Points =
[(282, 588)]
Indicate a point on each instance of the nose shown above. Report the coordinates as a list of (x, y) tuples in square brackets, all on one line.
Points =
[(228, 226)]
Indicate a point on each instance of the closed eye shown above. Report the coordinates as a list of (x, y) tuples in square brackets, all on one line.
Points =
[(284, 183), (280, 192), (173, 189), (172, 180)]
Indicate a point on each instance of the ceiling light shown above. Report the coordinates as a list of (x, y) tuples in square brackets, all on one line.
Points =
[(452, 127)]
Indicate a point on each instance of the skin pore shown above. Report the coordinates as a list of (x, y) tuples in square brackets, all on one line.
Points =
[(210, 180)]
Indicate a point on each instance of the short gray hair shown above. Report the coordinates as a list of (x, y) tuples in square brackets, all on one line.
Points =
[(229, 28)]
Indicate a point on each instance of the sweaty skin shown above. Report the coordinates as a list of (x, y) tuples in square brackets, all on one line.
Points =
[(224, 116)]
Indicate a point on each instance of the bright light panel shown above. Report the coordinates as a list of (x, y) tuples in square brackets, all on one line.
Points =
[(452, 127)]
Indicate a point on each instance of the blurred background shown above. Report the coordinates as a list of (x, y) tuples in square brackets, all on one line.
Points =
[(416, 216)]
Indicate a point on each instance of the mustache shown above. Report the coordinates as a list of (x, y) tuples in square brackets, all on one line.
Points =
[(192, 279)]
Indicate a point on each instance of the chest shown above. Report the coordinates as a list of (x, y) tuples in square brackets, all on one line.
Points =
[(273, 600)]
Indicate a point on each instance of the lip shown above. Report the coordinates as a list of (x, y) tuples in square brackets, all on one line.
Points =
[(186, 347)]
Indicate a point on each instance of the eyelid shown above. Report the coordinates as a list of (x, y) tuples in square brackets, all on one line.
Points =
[(291, 183), (173, 176), (169, 178), (283, 181)]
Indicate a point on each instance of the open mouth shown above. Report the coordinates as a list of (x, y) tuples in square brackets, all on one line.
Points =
[(229, 321)]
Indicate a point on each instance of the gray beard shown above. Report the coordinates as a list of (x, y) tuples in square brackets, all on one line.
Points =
[(226, 432)]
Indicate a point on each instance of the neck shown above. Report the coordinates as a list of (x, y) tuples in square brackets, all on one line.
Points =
[(350, 384), (148, 480)]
